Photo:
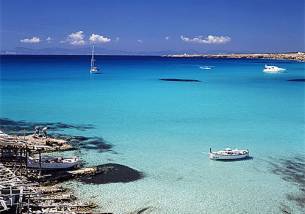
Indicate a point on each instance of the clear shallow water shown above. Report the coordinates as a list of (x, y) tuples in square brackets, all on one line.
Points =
[(165, 129)]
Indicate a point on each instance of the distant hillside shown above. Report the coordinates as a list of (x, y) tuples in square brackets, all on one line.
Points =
[(298, 56)]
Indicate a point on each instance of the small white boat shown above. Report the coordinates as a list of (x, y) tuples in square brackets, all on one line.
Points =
[(229, 154), (52, 163), (93, 68), (206, 67), (273, 69)]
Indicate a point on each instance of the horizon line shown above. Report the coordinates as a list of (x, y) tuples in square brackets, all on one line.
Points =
[(163, 55)]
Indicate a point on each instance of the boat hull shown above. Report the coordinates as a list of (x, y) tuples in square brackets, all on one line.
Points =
[(95, 71), (214, 156), (34, 164), (47, 166), (273, 69)]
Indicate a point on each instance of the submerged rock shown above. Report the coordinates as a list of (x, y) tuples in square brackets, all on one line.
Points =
[(297, 80), (179, 80), (292, 170), (113, 173), (148, 209), (20, 127), (90, 143), (98, 144)]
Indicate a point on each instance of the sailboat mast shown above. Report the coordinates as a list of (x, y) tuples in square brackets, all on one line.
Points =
[(92, 57), (94, 69)]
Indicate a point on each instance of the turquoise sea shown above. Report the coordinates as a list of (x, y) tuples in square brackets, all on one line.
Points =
[(165, 129)]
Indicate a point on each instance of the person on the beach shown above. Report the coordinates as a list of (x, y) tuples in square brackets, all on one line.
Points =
[(44, 131), (37, 130)]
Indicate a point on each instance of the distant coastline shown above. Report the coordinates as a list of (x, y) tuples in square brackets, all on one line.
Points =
[(296, 56)]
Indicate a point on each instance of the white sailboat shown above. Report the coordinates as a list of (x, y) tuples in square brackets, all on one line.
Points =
[(93, 68)]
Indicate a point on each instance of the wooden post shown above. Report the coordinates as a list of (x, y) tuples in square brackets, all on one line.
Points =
[(28, 204), (26, 160), (20, 158), (39, 162)]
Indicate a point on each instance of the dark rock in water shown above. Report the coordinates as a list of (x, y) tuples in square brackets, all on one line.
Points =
[(285, 209), (297, 80), (97, 144), (79, 138), (15, 127), (91, 143), (20, 127), (143, 210), (179, 80), (87, 143), (292, 170), (113, 173)]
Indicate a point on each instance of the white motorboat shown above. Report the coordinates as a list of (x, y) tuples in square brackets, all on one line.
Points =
[(52, 163), (229, 154), (273, 69), (93, 68)]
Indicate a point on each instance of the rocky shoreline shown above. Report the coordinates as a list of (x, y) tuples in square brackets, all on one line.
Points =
[(297, 56), (20, 143)]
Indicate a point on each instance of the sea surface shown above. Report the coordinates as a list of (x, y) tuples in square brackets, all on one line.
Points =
[(165, 129)]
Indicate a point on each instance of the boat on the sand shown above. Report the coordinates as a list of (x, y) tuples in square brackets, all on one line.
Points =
[(52, 163), (229, 154)]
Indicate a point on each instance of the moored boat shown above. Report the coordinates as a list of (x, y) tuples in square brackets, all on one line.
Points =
[(52, 163), (273, 69), (229, 154), (94, 69), (206, 67)]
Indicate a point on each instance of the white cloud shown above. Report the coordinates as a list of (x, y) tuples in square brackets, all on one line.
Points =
[(140, 41), (48, 39), (76, 38), (32, 40), (167, 38), (207, 40), (95, 38)]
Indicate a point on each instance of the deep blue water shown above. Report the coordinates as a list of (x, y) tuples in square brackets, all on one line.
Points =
[(166, 128)]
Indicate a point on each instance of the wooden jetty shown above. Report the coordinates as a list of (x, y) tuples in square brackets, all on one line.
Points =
[(17, 195), (21, 188)]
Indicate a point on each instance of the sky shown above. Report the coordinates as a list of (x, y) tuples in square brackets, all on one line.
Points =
[(198, 26)]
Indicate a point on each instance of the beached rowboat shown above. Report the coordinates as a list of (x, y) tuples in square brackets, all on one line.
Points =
[(51, 163), (229, 154)]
